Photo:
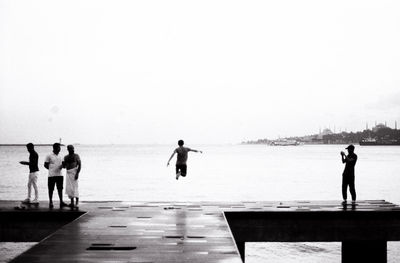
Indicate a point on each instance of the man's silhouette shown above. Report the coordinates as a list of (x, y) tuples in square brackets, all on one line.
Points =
[(348, 173)]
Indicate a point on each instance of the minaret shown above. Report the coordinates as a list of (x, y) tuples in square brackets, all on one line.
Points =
[(366, 126), (395, 125)]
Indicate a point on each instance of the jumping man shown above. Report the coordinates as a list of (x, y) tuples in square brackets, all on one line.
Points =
[(182, 156)]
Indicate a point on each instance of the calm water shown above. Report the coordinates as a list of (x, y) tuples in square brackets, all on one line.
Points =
[(222, 172)]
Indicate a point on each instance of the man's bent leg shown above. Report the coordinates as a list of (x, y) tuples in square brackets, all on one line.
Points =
[(177, 171), (183, 170)]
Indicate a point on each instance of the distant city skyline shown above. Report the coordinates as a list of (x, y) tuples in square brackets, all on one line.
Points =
[(133, 72), (328, 130), (367, 126)]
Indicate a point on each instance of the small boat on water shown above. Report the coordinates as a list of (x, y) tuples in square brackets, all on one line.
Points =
[(284, 142), (368, 141), (374, 142)]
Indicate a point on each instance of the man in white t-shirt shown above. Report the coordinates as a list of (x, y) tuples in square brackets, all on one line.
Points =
[(53, 163)]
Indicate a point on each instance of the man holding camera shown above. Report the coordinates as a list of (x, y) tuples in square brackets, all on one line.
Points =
[(348, 174)]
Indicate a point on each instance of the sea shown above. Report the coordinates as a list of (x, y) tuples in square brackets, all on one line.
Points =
[(230, 172)]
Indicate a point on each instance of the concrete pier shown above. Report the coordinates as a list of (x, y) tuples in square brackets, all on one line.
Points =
[(197, 231), (363, 229)]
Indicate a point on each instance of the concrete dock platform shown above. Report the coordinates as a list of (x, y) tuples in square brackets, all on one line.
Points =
[(195, 231)]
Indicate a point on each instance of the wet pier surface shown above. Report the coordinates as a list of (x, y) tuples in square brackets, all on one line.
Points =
[(185, 231)]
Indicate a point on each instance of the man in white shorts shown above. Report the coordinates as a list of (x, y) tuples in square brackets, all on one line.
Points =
[(33, 174)]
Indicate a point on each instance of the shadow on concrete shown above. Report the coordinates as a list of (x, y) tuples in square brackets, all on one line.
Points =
[(33, 226)]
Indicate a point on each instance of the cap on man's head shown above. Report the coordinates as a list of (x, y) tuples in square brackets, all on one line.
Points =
[(351, 146), (30, 145)]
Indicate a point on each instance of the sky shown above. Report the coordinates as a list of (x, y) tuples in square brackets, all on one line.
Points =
[(141, 72)]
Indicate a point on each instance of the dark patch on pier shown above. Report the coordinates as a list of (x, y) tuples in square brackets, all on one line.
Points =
[(33, 225)]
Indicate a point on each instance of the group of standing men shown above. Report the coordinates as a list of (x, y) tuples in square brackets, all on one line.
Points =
[(54, 164)]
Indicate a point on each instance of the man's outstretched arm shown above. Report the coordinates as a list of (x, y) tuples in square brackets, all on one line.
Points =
[(172, 156), (197, 151)]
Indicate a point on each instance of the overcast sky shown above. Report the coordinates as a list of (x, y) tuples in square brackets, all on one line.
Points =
[(205, 71)]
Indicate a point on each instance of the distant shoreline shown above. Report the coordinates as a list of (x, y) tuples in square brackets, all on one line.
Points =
[(21, 144)]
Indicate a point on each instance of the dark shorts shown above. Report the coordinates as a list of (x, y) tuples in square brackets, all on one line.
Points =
[(182, 168), (55, 180)]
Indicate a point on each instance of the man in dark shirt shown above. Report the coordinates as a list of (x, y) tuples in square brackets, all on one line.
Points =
[(348, 173), (33, 173), (182, 156)]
